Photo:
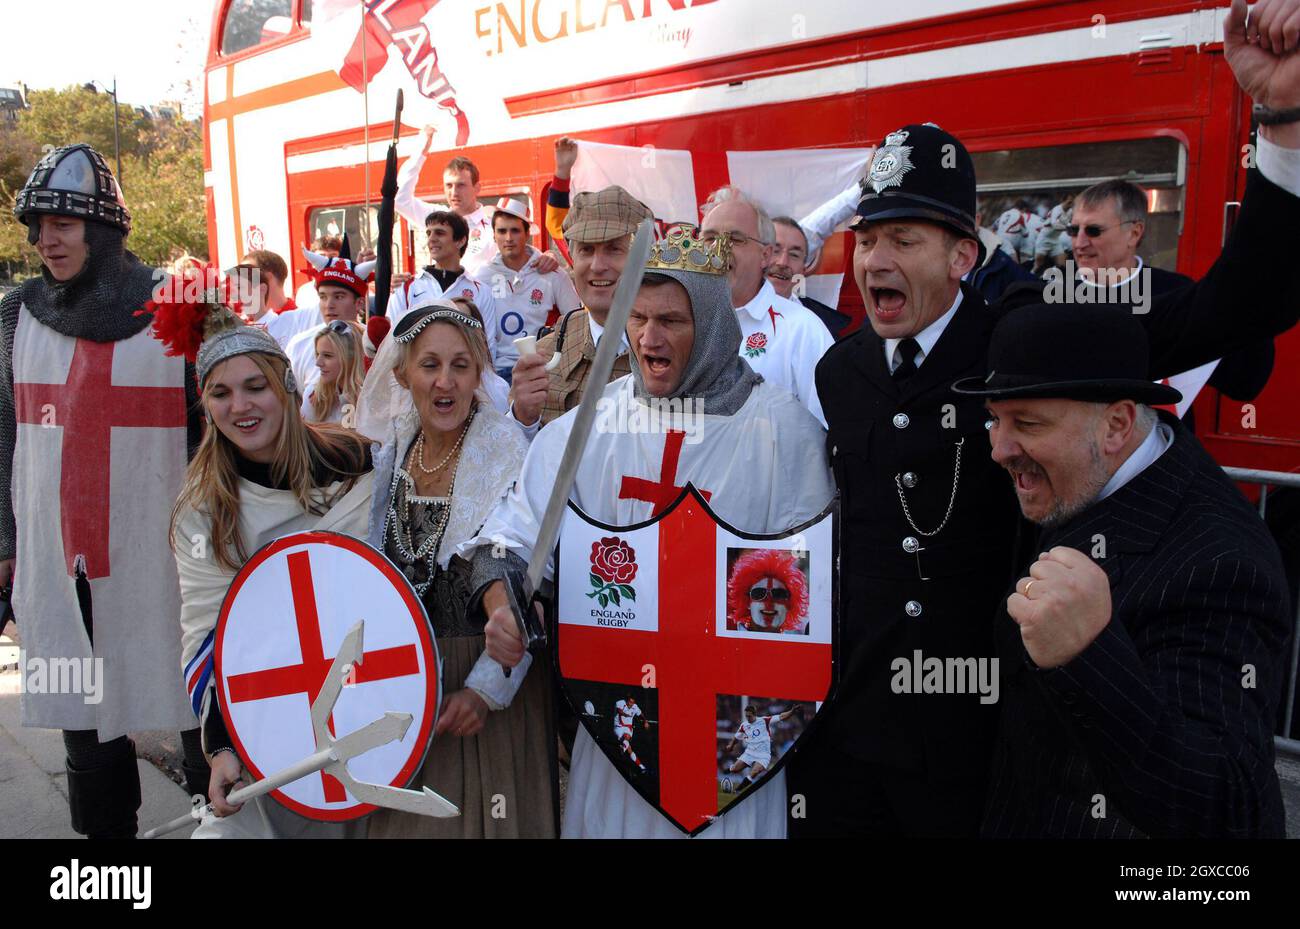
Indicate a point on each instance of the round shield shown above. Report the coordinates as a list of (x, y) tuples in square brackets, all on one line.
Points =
[(281, 625)]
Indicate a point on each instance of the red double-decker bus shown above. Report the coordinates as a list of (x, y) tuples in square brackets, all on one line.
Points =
[(1049, 96)]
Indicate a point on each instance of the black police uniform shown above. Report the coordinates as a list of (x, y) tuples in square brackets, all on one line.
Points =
[(930, 577)]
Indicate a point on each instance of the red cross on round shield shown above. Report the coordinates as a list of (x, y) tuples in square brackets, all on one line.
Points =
[(281, 625)]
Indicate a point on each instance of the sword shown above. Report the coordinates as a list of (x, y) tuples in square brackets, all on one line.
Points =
[(629, 282), (335, 753)]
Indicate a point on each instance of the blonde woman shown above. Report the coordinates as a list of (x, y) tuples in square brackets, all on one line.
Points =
[(260, 472), (341, 360)]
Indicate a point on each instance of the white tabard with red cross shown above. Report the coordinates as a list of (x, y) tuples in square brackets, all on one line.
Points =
[(99, 461), (764, 470)]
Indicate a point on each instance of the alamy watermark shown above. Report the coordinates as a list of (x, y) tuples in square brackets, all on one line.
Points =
[(921, 675), (84, 676), (623, 414), (1099, 286)]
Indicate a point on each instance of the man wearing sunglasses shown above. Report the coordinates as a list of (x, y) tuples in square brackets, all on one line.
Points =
[(1107, 229)]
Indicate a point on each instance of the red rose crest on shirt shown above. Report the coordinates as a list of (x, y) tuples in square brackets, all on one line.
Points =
[(755, 345), (613, 568), (467, 294), (535, 297)]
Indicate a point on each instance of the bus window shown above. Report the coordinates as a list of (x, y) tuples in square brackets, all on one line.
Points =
[(1026, 195), (252, 22), (350, 219), (304, 17), (336, 220)]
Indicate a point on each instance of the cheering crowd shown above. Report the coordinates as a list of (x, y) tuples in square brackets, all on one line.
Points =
[(1011, 485)]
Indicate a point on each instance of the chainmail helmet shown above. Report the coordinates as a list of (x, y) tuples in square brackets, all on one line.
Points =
[(715, 374), (73, 180)]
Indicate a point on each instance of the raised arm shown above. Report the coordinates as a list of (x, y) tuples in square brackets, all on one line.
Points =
[(1252, 292), (406, 203)]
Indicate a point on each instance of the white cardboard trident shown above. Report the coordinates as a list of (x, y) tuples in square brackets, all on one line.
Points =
[(333, 754)]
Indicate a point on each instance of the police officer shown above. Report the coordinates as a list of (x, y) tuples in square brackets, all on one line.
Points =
[(930, 523)]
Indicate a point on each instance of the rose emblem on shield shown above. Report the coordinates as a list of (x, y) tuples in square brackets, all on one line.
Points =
[(613, 568), (536, 297), (755, 345)]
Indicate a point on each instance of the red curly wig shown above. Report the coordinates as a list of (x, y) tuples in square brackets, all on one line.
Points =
[(752, 567)]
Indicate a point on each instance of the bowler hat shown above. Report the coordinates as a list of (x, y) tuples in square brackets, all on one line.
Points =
[(1097, 354)]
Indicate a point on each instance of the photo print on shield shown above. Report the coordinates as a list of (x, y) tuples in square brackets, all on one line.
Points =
[(624, 721), (754, 733), (767, 591)]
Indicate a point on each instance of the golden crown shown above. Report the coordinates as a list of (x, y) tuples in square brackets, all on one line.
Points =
[(683, 249)]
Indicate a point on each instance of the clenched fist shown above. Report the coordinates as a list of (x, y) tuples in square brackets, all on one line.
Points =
[(1262, 50), (1061, 607)]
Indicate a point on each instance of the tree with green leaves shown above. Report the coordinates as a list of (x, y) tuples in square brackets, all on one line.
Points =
[(162, 168)]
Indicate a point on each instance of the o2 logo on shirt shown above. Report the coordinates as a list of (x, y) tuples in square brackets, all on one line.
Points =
[(512, 323)]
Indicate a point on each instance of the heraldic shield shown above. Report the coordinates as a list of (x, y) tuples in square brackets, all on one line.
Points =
[(280, 627), (696, 655)]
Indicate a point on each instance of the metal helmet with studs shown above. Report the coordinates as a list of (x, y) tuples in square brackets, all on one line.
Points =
[(73, 180)]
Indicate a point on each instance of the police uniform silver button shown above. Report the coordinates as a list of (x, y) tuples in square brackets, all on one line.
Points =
[(913, 608), (909, 479), (901, 420), (910, 544)]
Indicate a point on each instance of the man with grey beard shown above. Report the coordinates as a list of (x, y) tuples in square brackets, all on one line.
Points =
[(1141, 649)]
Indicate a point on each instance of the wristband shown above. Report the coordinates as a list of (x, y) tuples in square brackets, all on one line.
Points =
[(1267, 116)]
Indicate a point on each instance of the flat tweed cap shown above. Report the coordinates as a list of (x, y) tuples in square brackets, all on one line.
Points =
[(598, 216)]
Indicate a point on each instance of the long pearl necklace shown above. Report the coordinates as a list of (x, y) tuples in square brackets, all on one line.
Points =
[(395, 522), (419, 447)]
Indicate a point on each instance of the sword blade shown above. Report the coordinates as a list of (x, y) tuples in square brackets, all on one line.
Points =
[(629, 282)]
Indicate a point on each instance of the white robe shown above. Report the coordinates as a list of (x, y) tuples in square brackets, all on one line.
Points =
[(130, 679), (264, 515), (766, 470)]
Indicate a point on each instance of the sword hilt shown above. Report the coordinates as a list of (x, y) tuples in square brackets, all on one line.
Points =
[(531, 629)]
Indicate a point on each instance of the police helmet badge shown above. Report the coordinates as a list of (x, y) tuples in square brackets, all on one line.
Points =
[(892, 161)]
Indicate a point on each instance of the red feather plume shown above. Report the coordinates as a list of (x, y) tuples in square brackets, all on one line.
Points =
[(183, 306)]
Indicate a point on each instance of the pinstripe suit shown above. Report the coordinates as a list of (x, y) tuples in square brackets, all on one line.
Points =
[(1153, 717)]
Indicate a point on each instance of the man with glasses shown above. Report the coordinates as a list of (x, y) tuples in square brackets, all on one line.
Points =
[(1107, 228), (789, 263), (782, 340)]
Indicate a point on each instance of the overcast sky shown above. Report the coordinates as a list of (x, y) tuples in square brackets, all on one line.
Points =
[(53, 43)]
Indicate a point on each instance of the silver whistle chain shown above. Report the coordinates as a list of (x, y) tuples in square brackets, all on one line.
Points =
[(902, 498)]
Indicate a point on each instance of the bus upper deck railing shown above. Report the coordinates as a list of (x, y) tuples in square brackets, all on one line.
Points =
[(1267, 479)]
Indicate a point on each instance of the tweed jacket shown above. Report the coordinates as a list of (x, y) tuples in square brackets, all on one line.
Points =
[(576, 355)]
